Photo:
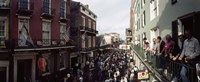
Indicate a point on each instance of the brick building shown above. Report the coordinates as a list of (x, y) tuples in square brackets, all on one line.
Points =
[(83, 32), (34, 40)]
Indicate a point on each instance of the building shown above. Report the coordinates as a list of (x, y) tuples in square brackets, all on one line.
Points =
[(34, 40), (157, 18), (132, 19), (129, 38), (154, 18), (108, 39), (105, 43), (83, 32)]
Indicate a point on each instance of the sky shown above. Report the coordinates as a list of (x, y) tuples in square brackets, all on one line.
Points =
[(112, 15)]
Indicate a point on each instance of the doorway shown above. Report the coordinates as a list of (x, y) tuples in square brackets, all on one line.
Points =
[(3, 74), (24, 70), (4, 71)]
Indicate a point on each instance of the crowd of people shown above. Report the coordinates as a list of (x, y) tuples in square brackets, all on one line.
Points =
[(187, 53), (117, 66), (111, 66)]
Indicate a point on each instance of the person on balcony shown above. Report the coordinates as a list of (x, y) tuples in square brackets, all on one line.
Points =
[(175, 50), (166, 51), (174, 54), (159, 57), (146, 48), (190, 51), (153, 46)]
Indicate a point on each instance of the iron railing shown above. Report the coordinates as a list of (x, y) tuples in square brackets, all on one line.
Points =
[(172, 67), (84, 28), (36, 43)]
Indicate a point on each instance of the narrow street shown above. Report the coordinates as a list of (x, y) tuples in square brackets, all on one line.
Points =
[(113, 65)]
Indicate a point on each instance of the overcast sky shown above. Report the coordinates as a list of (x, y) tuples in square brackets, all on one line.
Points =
[(112, 15)]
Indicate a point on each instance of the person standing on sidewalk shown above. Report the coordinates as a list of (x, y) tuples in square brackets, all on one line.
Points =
[(190, 51)]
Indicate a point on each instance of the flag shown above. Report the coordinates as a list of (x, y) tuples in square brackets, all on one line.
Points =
[(66, 37), (84, 36)]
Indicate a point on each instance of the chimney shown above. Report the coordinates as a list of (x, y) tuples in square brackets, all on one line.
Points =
[(87, 6)]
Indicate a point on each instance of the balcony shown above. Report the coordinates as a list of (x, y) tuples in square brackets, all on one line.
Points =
[(37, 44), (47, 12), (25, 8), (172, 67), (96, 32), (89, 30), (83, 28), (4, 6), (85, 50)]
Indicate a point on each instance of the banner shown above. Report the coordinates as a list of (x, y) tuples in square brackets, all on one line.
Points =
[(143, 74)]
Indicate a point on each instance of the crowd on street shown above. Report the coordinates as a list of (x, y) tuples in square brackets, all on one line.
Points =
[(112, 66), (117, 65)]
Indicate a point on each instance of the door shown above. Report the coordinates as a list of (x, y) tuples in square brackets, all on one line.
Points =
[(4, 71), (74, 62), (24, 70), (3, 74)]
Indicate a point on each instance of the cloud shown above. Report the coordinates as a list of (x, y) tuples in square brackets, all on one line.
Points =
[(112, 15)]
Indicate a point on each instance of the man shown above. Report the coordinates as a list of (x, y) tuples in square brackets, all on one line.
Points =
[(190, 51), (159, 48)]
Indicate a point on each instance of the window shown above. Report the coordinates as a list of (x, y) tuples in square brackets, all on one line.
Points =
[(153, 9), (143, 19), (24, 4), (2, 27), (89, 23), (142, 3), (46, 35), (62, 33), (63, 8), (173, 1), (138, 9), (83, 21), (23, 32), (62, 61), (94, 40), (89, 41), (94, 25), (4, 3), (47, 6), (83, 40)]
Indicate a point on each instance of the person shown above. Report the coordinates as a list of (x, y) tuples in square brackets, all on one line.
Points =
[(153, 46), (167, 47), (190, 51), (166, 50), (160, 46), (175, 50), (146, 48), (174, 54)]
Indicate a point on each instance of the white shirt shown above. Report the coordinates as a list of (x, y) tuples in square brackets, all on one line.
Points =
[(191, 48)]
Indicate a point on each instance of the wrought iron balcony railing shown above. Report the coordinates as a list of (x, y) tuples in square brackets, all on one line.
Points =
[(173, 67), (38, 43), (91, 30)]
